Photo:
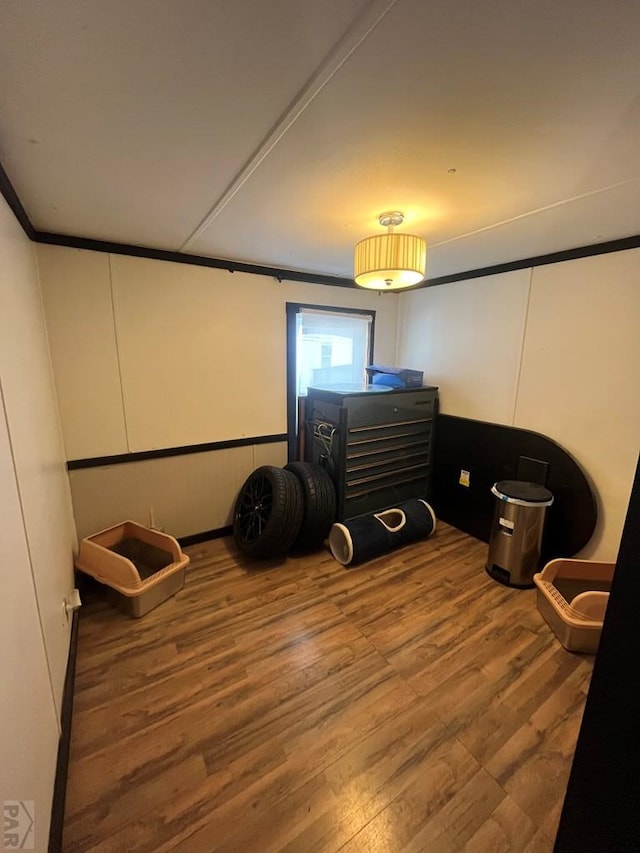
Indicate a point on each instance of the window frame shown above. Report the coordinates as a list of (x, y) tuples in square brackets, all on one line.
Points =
[(293, 309)]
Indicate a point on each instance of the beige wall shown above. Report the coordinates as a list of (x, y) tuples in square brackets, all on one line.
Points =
[(467, 337), (37, 535), (580, 379), (76, 289), (149, 354), (553, 349), (180, 494)]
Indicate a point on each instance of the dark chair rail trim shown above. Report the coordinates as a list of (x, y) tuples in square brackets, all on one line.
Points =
[(162, 453)]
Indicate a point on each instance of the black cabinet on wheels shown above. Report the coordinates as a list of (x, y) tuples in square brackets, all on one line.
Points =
[(376, 444)]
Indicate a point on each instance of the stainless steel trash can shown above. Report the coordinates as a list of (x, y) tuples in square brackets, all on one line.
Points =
[(516, 533)]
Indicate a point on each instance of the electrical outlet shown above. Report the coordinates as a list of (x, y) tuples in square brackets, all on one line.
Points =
[(71, 603), (465, 478)]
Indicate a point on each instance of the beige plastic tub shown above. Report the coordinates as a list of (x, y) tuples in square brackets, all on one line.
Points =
[(572, 597), (141, 567)]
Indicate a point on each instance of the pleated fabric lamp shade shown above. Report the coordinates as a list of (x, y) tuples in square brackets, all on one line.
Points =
[(390, 261)]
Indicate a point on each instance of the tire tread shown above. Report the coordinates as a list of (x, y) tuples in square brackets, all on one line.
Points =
[(319, 504)]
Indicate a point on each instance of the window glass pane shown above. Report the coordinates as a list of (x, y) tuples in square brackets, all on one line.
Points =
[(332, 349)]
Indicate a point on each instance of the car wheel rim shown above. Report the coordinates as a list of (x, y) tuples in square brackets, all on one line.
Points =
[(256, 503)]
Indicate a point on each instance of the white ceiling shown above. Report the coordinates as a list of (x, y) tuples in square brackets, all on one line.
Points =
[(275, 131)]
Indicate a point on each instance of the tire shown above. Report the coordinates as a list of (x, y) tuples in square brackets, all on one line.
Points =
[(319, 504), (268, 512)]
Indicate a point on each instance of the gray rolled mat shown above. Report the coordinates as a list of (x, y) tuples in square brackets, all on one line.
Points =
[(377, 533)]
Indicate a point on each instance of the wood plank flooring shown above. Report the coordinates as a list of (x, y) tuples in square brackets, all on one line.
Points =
[(411, 704)]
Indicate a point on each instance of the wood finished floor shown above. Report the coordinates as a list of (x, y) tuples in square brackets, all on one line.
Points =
[(411, 704)]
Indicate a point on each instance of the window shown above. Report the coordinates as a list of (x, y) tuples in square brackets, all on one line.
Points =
[(326, 348), (332, 349)]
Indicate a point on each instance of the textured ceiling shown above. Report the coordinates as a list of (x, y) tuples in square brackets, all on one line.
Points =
[(275, 131)]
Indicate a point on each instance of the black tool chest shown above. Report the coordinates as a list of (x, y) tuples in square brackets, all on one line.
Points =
[(376, 444)]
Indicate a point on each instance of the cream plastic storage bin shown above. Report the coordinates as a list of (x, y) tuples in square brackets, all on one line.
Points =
[(140, 566), (572, 596)]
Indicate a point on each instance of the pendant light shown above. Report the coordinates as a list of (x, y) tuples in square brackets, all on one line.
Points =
[(390, 261)]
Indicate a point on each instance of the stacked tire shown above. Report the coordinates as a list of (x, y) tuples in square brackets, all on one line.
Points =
[(283, 509)]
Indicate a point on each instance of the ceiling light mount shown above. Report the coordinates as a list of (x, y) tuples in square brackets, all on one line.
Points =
[(390, 261), (391, 219)]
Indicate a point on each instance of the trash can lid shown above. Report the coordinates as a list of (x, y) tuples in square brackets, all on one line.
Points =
[(521, 492)]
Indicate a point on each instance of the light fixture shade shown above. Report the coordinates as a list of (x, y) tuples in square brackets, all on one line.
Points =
[(390, 261)]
